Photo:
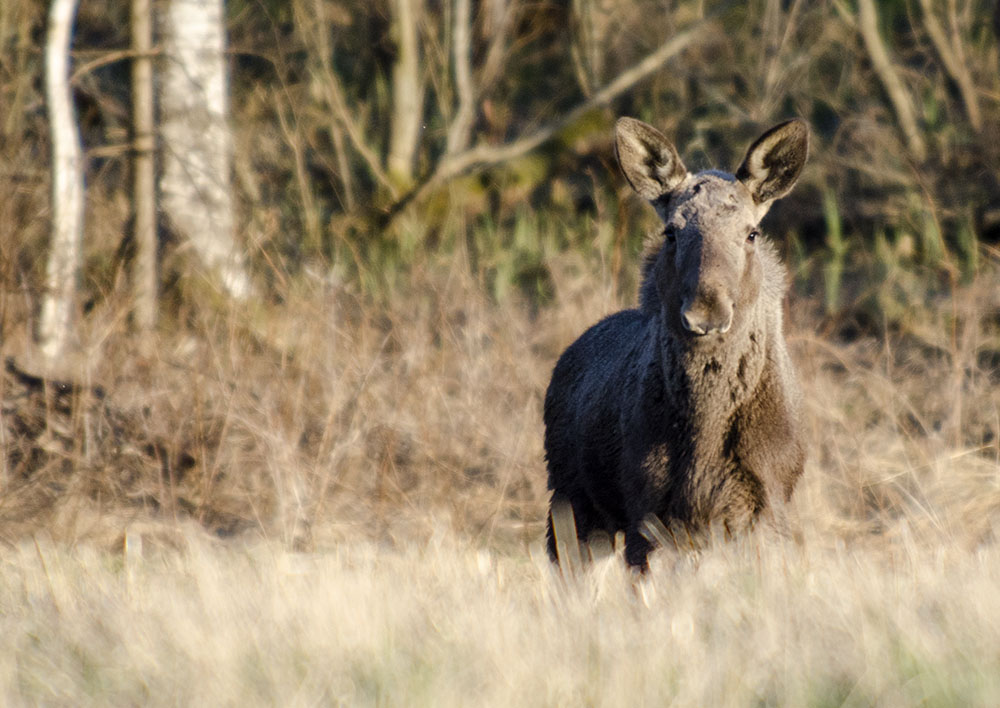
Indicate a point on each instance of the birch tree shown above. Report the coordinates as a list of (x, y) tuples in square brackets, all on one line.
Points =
[(144, 280), (197, 143), (59, 301)]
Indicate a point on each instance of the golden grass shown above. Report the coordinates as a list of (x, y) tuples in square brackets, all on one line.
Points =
[(444, 622), (379, 466)]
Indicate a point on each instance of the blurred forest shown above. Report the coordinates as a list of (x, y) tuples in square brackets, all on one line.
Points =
[(503, 124), (442, 164)]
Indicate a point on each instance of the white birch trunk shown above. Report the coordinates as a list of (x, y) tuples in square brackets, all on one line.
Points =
[(197, 143), (59, 302), (144, 281)]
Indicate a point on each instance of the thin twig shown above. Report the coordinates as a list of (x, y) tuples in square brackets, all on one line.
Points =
[(333, 94), (110, 58), (494, 61), (485, 155), (323, 43), (293, 140), (953, 58), (900, 99)]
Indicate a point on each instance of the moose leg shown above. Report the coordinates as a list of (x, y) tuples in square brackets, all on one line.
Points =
[(565, 513), (637, 548)]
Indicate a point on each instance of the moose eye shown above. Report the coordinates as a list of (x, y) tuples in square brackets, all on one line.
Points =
[(670, 233), (752, 236)]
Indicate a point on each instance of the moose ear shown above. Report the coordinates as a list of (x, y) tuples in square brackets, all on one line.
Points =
[(774, 162), (650, 162)]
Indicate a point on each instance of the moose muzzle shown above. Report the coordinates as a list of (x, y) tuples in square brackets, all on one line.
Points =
[(708, 312)]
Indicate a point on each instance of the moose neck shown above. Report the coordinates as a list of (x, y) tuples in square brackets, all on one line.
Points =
[(712, 380), (719, 373)]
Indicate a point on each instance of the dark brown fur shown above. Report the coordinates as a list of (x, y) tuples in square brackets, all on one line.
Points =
[(687, 408)]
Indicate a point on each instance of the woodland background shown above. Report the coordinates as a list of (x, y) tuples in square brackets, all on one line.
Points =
[(426, 203)]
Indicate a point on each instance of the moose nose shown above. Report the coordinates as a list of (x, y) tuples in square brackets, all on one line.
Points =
[(700, 319)]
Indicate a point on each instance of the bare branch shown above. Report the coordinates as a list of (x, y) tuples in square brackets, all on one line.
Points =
[(113, 57), (845, 14), (325, 53), (344, 168), (505, 11), (953, 58), (485, 155), (578, 47), (333, 94), (461, 125), (294, 141), (868, 26)]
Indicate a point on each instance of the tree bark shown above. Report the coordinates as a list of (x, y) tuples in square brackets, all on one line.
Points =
[(197, 142), (144, 281), (59, 301)]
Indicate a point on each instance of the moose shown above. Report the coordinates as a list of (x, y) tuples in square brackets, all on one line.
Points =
[(687, 407)]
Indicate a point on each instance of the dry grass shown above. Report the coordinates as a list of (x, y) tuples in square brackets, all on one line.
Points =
[(443, 622), (331, 497), (380, 467)]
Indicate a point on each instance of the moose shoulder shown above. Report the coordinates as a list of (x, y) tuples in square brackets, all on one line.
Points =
[(686, 408)]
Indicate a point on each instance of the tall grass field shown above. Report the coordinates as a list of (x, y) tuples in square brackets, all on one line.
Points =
[(339, 503), (328, 487)]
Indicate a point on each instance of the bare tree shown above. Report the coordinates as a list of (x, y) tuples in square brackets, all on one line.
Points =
[(143, 185), (67, 188), (196, 138)]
